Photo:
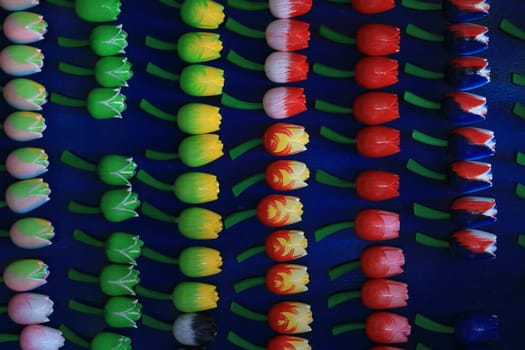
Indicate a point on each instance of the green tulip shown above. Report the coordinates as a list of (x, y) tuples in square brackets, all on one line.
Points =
[(97, 10)]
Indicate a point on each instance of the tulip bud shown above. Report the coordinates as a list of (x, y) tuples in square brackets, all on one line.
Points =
[(286, 67), (468, 72), (470, 176), (464, 107), (24, 126), (283, 139), (105, 103), (97, 10), (286, 245), (200, 261), (469, 143), (26, 162), (25, 94), (17, 5), (123, 248), (465, 11), (290, 317), (37, 337), (199, 150), (467, 38), (195, 296), (25, 274), (119, 205), (113, 71), (26, 195), (196, 187), (117, 280), (31, 233), (108, 40), (376, 225), (382, 261), (387, 327), (375, 39), (286, 175), (289, 8), (474, 211), (203, 14), (384, 294), (376, 107), (376, 72), (201, 80), (194, 329), (279, 210), (199, 223), (287, 279), (284, 102), (377, 141), (288, 342), (372, 6), (108, 340), (24, 27), (21, 60), (288, 35), (122, 312), (114, 169), (377, 185), (198, 118), (198, 47), (473, 244), (29, 308)]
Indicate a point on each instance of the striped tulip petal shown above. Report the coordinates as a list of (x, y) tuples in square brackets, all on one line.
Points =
[(289, 8), (464, 107), (286, 67), (284, 102), (467, 38), (469, 176), (466, 10), (468, 72), (472, 212), (472, 143), (288, 35), (473, 244)]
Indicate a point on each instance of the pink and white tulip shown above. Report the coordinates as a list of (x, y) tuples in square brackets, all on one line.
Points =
[(286, 67), (24, 27), (283, 102), (29, 308), (288, 35), (25, 274), (289, 8), (37, 337)]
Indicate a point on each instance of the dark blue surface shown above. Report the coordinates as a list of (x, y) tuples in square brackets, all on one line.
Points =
[(440, 286)]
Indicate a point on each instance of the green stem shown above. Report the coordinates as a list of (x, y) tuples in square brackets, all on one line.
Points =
[(429, 241), (158, 155), (328, 107), (4, 233), (87, 309), (330, 72), (421, 5), (323, 177), (244, 147), (520, 191), (238, 28), (62, 3), (420, 346), (152, 182), (151, 322), (242, 343), (326, 231), (78, 276), (417, 168), (71, 42), (334, 136), (232, 102), (521, 240), (248, 283), (428, 140), (422, 72), (235, 218), (74, 70), (520, 158), (339, 270), (158, 72), (247, 5), (171, 3), (347, 327), (428, 213), (422, 34), (66, 101), (242, 185), (511, 29), (519, 110), (240, 310), (341, 297), (80, 208), (429, 325), (242, 62), (152, 212), (518, 79), (420, 101), (158, 44), (6, 338), (248, 253), (83, 237), (151, 294), (158, 257), (156, 112), (332, 35), (75, 161), (73, 337)]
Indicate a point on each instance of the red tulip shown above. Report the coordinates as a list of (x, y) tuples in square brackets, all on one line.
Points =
[(288, 342), (374, 39), (387, 327), (376, 72), (382, 261), (287, 279), (372, 6), (288, 35), (279, 210), (384, 294), (376, 225), (290, 317), (286, 245), (283, 139), (376, 107), (377, 141), (377, 185)]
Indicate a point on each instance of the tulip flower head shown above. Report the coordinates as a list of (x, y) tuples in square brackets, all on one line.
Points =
[(23, 27), (284, 102), (464, 107), (377, 225), (288, 35), (37, 337), (468, 72), (374, 39), (382, 261), (113, 280), (199, 223), (387, 327), (283, 342), (372, 6), (289, 8), (201, 80), (118, 311), (25, 94), (195, 296), (200, 261), (467, 38), (290, 317), (470, 176), (194, 329), (25, 274), (376, 72), (26, 195), (465, 10), (198, 47), (24, 126), (286, 175), (377, 185), (17, 5), (98, 10), (469, 244), (287, 279), (384, 294), (286, 67), (473, 211), (283, 139), (376, 107), (472, 143), (202, 14), (109, 340), (31, 233), (279, 210), (29, 308), (115, 205), (286, 245), (26, 162), (21, 60), (113, 71), (120, 247)]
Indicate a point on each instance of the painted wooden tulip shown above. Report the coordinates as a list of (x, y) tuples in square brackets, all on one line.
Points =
[(289, 8), (26, 195), (192, 47), (372, 6), (31, 233), (375, 39), (104, 40), (284, 342), (468, 72), (377, 294), (23, 27), (283, 102), (21, 60), (38, 337), (25, 274), (465, 10), (101, 341), (29, 308), (110, 72), (470, 328), (194, 329), (281, 279), (95, 11), (372, 141), (115, 205), (289, 317), (25, 94), (386, 347), (203, 14), (286, 67), (277, 210), (288, 35), (470, 176), (118, 311), (469, 244), (100, 103), (26, 162), (17, 5), (24, 126), (113, 279), (280, 246)]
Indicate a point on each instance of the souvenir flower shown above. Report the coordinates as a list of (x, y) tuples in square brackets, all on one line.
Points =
[(470, 328), (283, 102), (31, 233), (26, 195), (37, 337), (198, 47), (21, 60), (279, 210), (372, 6), (203, 14), (287, 279), (23, 27), (464, 108), (466, 10), (118, 312), (101, 103), (97, 10), (470, 176), (196, 187), (289, 317), (201, 80), (288, 35), (113, 71), (26, 162), (289, 8), (468, 72), (121, 247), (25, 94), (25, 274), (194, 329), (280, 246), (104, 40), (468, 244), (375, 294), (101, 341), (198, 150), (380, 327), (467, 38), (115, 205), (385, 347), (372, 141), (24, 126), (113, 279), (374, 39), (17, 5), (286, 67), (200, 261), (29, 308), (284, 342), (195, 296)]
